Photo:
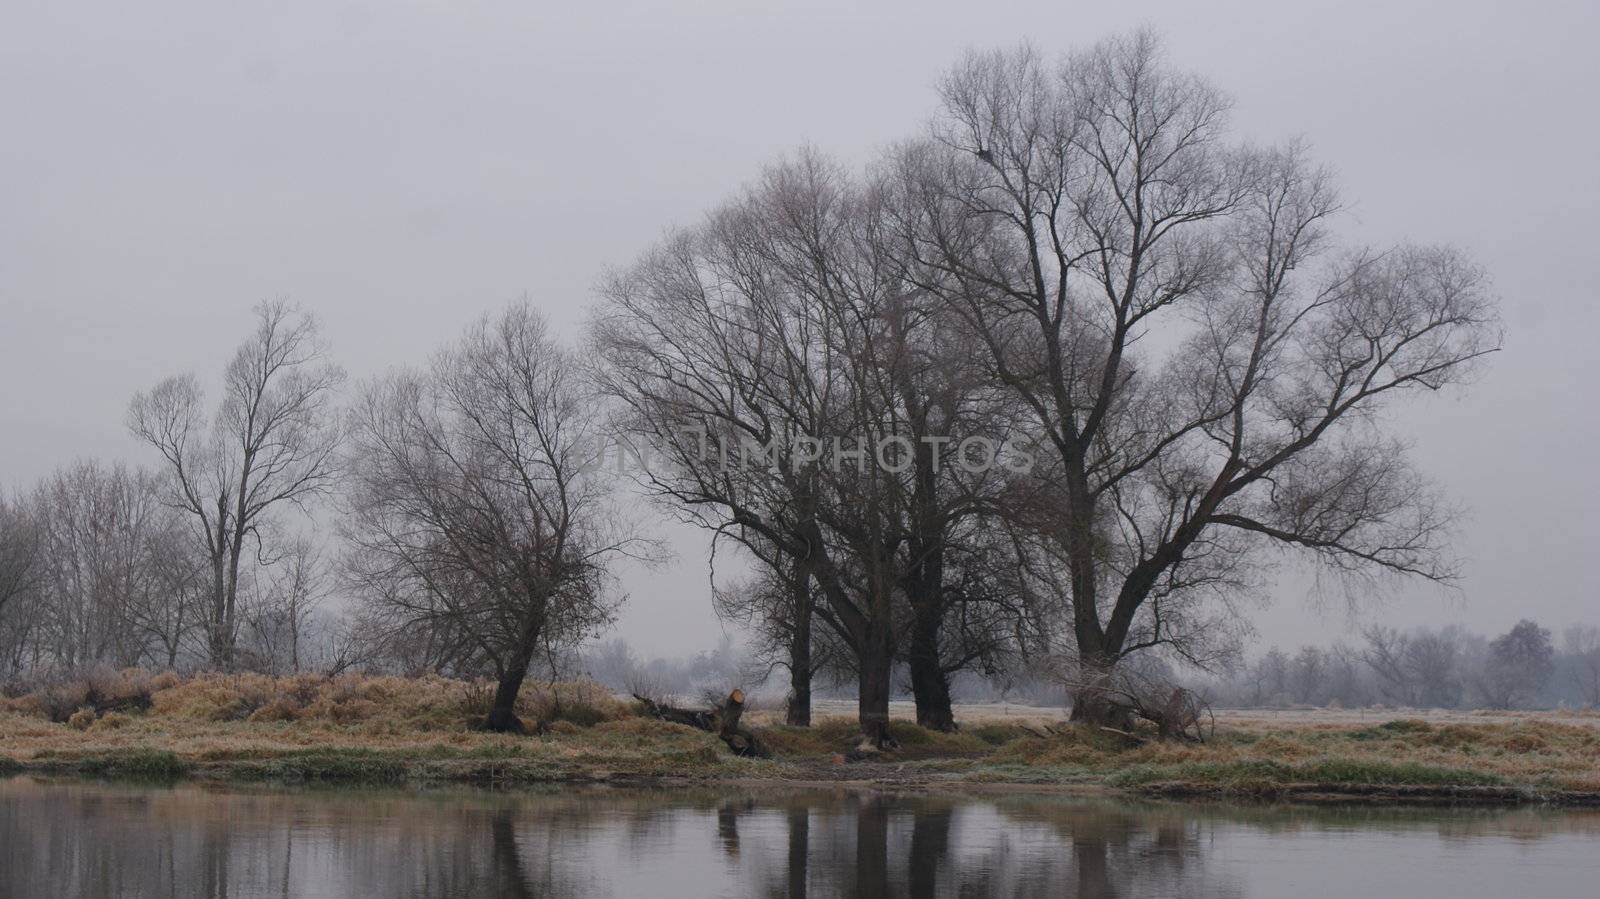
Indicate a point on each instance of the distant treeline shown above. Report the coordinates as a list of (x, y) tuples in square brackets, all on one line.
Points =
[(1448, 668)]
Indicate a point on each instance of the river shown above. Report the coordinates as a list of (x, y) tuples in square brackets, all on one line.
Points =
[(80, 838)]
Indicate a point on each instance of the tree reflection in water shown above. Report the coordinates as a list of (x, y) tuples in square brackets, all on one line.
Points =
[(95, 839)]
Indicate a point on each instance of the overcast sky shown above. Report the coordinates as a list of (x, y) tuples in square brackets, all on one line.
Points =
[(401, 168)]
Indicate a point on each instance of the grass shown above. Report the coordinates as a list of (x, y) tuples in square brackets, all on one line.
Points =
[(130, 764), (1543, 757), (387, 730), (1255, 774)]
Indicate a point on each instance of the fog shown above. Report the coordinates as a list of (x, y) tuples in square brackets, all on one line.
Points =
[(402, 168)]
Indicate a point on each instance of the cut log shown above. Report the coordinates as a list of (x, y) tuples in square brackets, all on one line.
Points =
[(692, 718), (722, 720), (741, 741)]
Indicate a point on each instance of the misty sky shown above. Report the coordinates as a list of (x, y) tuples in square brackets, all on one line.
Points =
[(401, 168)]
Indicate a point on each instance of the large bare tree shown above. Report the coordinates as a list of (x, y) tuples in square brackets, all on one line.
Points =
[(1204, 366), (807, 401), (270, 444), (476, 511)]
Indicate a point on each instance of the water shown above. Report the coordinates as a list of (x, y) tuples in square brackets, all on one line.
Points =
[(76, 838)]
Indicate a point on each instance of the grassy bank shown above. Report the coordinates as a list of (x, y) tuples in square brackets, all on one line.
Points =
[(395, 730)]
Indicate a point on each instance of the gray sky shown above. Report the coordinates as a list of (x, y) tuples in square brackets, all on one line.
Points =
[(400, 168)]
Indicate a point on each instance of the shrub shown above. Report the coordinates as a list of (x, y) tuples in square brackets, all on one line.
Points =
[(216, 697), (60, 702), (280, 709), (583, 702), (110, 721)]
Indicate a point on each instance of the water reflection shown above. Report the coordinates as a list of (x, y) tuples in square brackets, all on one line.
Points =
[(68, 838)]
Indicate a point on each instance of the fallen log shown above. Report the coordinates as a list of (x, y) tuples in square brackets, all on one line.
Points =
[(698, 720), (721, 720)]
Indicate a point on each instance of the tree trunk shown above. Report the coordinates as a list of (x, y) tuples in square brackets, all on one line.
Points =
[(1092, 699), (876, 663), (502, 717), (929, 683), (799, 711), (216, 643)]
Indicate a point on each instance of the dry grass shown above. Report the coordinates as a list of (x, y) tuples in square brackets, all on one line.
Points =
[(358, 728), (349, 728), (1528, 753), (217, 717)]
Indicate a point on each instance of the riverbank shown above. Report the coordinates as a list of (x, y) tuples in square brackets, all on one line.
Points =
[(396, 731)]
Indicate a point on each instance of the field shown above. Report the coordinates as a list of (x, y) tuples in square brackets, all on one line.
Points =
[(1293, 717), (389, 729)]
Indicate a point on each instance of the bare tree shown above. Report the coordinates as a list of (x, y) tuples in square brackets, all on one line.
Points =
[(1308, 675), (1348, 683), (271, 444), (759, 356), (170, 618), (1434, 660), (1272, 677), (20, 575), (474, 514), (726, 338), (282, 618), (102, 532), (1582, 645), (1422, 669), (1201, 364), (1518, 667), (18, 552)]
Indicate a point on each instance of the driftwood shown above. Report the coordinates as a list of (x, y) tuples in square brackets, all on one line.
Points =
[(722, 720)]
